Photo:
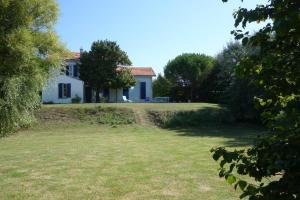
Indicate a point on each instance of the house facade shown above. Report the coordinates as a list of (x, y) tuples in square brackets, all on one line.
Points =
[(62, 87)]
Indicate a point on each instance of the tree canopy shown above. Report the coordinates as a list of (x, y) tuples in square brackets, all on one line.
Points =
[(123, 79), (98, 67), (227, 87), (29, 49), (186, 73), (275, 69), (161, 87)]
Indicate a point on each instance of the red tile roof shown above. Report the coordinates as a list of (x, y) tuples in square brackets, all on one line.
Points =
[(141, 71), (73, 56), (76, 55)]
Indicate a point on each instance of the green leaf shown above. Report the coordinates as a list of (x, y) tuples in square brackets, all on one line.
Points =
[(239, 36), (231, 179), (223, 162), (251, 189), (243, 195), (262, 103), (242, 184), (245, 41), (216, 156)]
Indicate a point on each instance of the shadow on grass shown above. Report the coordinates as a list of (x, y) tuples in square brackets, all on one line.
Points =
[(207, 122), (234, 135)]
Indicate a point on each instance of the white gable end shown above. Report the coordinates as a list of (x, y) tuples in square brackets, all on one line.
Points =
[(51, 91)]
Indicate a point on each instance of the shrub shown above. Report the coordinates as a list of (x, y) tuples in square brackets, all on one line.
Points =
[(76, 99), (95, 115), (29, 51), (103, 100), (106, 115), (170, 119), (16, 106)]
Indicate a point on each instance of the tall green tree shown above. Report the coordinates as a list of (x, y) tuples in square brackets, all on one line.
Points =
[(186, 73), (227, 86), (161, 87), (98, 67), (29, 49), (276, 156), (123, 79), (224, 69)]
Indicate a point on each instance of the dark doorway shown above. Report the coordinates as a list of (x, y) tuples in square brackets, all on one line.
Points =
[(143, 90), (106, 93), (126, 92), (88, 94)]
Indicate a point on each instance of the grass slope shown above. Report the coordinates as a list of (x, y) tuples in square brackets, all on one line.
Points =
[(83, 160)]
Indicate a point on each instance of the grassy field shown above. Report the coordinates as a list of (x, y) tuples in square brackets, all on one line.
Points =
[(83, 160)]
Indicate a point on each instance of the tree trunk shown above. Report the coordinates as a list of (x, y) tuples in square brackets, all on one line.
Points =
[(116, 95), (97, 95), (191, 94)]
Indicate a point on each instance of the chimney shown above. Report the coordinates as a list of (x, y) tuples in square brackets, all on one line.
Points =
[(81, 50)]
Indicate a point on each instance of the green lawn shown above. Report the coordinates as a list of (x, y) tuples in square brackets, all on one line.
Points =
[(88, 161)]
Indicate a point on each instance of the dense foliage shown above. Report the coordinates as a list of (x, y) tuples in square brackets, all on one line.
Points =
[(195, 118), (224, 85), (274, 161), (216, 82), (161, 87), (186, 73), (89, 115), (98, 67), (123, 79), (29, 49), (223, 74)]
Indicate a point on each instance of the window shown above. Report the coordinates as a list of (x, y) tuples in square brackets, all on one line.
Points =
[(64, 90), (75, 71), (143, 90), (69, 70)]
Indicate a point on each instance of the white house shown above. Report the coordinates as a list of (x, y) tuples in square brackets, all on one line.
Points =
[(62, 87)]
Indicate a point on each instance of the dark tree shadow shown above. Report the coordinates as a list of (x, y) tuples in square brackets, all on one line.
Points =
[(236, 135), (208, 122)]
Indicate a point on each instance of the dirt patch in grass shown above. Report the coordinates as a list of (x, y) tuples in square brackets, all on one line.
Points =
[(94, 115), (55, 115), (106, 115)]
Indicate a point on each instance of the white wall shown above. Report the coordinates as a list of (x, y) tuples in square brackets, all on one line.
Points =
[(50, 91), (134, 92)]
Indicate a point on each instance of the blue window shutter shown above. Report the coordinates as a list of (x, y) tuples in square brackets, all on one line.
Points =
[(60, 90), (75, 71), (69, 90)]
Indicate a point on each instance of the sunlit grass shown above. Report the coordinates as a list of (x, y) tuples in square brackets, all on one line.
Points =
[(77, 160)]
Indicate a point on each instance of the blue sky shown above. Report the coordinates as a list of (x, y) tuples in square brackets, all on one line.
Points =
[(151, 31)]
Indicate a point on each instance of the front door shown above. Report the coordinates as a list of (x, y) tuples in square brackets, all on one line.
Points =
[(143, 90), (88, 94), (126, 93)]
